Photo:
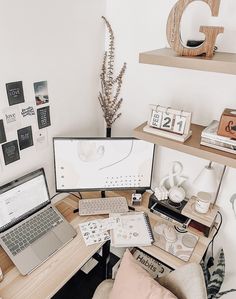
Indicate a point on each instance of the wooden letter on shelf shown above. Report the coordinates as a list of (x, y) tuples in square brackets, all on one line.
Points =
[(174, 34)]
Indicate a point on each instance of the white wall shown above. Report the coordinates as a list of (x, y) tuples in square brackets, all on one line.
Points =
[(62, 42), (140, 26)]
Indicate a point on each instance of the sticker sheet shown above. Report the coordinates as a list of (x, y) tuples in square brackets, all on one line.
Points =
[(96, 231)]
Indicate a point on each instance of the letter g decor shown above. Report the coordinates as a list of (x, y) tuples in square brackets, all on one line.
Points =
[(174, 34)]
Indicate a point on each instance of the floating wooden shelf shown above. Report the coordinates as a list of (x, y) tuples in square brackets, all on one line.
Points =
[(191, 146), (221, 62)]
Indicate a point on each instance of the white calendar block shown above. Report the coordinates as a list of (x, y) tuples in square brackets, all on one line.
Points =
[(179, 125), (156, 119), (167, 121)]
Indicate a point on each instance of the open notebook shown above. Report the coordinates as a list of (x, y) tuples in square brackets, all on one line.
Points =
[(132, 229)]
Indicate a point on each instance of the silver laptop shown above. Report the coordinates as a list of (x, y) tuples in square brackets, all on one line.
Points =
[(31, 229)]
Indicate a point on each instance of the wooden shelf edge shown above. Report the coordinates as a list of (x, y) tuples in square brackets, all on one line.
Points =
[(221, 62), (191, 146)]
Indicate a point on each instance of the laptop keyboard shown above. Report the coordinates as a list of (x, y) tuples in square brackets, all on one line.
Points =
[(31, 230)]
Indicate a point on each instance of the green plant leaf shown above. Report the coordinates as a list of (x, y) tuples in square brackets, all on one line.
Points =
[(217, 277)]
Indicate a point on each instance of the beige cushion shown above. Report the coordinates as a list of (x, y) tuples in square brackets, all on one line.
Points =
[(133, 282), (104, 289), (187, 282)]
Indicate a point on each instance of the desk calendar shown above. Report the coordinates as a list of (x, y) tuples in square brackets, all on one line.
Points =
[(169, 123)]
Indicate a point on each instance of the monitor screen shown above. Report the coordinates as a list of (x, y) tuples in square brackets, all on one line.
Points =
[(22, 197), (102, 163)]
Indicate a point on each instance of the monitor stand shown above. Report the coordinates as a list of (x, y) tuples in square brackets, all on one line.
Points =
[(140, 191)]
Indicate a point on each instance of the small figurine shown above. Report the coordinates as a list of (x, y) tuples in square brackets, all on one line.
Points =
[(176, 193)]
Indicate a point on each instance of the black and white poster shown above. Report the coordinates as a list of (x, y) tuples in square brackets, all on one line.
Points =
[(2, 132), (43, 115), (15, 93), (41, 92), (12, 118), (25, 137), (27, 111), (27, 114), (10, 152)]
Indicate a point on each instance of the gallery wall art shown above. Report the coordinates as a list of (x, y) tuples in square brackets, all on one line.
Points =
[(24, 122)]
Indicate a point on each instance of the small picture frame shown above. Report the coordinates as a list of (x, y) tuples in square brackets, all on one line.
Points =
[(2, 132), (10, 152), (43, 115), (15, 93)]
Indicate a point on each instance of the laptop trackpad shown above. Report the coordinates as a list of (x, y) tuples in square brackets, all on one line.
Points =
[(45, 247)]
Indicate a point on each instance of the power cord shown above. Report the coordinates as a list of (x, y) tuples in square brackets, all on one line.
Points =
[(210, 261)]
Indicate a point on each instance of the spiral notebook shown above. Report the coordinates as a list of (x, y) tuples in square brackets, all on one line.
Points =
[(132, 229)]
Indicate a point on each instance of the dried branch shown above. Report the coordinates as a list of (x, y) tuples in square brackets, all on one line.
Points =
[(110, 86)]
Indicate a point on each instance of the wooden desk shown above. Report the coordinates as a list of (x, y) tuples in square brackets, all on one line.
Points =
[(46, 280), (157, 252)]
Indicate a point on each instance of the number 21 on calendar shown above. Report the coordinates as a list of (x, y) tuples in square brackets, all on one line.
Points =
[(168, 121)]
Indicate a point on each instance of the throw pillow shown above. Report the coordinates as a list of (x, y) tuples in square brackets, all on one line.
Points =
[(133, 282)]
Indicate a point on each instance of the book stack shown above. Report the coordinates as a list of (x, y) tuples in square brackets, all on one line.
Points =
[(210, 138)]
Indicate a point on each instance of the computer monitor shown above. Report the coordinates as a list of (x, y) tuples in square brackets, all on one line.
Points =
[(89, 164)]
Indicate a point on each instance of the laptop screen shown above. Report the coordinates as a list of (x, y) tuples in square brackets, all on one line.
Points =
[(21, 197)]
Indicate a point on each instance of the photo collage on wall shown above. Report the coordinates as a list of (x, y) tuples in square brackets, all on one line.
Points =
[(23, 124)]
